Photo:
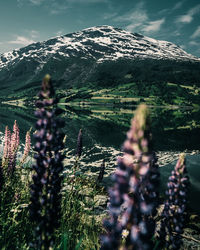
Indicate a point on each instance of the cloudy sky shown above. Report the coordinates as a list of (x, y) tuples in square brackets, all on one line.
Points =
[(26, 21)]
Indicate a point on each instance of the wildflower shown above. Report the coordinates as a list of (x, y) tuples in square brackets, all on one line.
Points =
[(13, 148), (1, 176), (27, 147), (101, 172), (125, 233), (15, 137), (6, 149), (45, 203), (135, 186), (173, 215), (79, 144), (11, 144)]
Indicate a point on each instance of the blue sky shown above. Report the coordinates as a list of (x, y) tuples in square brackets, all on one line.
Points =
[(26, 21)]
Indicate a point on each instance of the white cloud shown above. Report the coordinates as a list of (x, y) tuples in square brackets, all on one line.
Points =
[(194, 43), (138, 19), (195, 10), (59, 32), (32, 33), (178, 5), (196, 33), (183, 47), (135, 18), (189, 16), (176, 33), (20, 3), (33, 2), (154, 26), (36, 2), (138, 14), (184, 19), (21, 40), (174, 8), (107, 16), (57, 6), (62, 3), (86, 1)]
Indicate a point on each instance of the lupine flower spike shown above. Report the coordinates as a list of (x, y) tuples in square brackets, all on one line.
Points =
[(11, 144), (14, 144), (45, 203), (1, 175), (173, 215), (79, 144), (79, 147), (27, 147), (101, 172), (6, 148), (135, 187)]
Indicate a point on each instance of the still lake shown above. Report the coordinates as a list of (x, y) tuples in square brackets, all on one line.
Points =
[(174, 129)]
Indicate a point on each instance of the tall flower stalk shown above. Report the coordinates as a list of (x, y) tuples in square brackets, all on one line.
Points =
[(6, 149), (79, 148), (79, 144), (174, 212), (11, 144), (27, 147), (45, 203), (1, 176), (135, 187), (101, 172)]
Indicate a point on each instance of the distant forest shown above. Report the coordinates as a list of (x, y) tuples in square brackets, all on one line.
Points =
[(147, 70)]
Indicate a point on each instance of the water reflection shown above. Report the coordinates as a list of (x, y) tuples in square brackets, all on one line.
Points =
[(173, 129), (104, 130)]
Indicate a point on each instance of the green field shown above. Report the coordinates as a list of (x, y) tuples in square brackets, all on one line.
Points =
[(163, 94)]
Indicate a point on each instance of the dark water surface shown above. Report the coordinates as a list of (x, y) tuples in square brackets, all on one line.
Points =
[(104, 129)]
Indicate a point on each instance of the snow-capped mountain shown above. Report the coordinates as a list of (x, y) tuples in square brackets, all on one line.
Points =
[(77, 57), (99, 43)]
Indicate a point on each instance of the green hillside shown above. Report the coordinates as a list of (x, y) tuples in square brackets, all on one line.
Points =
[(128, 94), (133, 93)]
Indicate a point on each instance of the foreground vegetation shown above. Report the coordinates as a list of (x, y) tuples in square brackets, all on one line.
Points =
[(78, 228), (69, 221)]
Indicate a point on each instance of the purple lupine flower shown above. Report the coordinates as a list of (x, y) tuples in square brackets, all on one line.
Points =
[(173, 215), (135, 187), (79, 144), (45, 206), (101, 172)]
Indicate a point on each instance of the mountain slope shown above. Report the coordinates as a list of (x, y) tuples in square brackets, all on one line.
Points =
[(101, 55)]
